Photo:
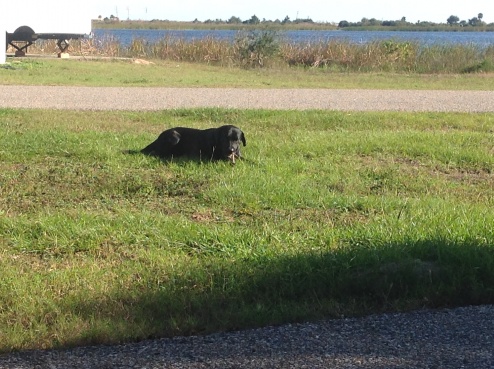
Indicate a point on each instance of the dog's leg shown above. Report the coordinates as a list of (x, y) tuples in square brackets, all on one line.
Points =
[(149, 149), (159, 146)]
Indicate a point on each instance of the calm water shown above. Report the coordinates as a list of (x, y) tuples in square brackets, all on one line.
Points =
[(480, 39)]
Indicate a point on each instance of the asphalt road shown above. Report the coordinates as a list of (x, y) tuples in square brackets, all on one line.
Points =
[(435, 339), (158, 98)]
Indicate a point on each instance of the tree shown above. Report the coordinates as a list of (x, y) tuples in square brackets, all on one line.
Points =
[(388, 23), (480, 16), (254, 20), (453, 19), (373, 22), (301, 20), (234, 20), (343, 24), (286, 20), (474, 21), (369, 22)]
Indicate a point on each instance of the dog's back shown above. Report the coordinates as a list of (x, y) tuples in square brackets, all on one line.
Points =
[(208, 144)]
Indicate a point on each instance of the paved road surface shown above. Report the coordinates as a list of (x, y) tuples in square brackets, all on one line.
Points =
[(149, 98), (443, 339)]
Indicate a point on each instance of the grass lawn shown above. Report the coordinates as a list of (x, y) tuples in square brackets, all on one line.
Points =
[(44, 71), (331, 214)]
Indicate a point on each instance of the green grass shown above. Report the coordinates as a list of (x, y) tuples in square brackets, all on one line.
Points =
[(331, 214), (42, 71)]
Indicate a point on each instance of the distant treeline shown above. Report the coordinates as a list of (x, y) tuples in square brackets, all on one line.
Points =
[(232, 23), (453, 23)]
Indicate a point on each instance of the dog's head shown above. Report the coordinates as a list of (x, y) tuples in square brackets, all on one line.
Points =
[(229, 139)]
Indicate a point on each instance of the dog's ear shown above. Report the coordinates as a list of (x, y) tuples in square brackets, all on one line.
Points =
[(173, 137), (242, 137)]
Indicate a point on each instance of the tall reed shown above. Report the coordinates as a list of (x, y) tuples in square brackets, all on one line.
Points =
[(264, 49)]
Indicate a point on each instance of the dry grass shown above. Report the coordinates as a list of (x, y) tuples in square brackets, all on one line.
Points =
[(264, 49)]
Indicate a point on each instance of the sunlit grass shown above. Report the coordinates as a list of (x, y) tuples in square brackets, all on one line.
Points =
[(125, 73), (330, 214)]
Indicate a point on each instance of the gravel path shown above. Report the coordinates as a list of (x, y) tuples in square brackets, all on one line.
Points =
[(145, 98), (456, 338)]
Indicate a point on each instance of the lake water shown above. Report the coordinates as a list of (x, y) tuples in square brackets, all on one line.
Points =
[(478, 39)]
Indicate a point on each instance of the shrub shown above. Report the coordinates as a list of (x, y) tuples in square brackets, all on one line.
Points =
[(255, 47)]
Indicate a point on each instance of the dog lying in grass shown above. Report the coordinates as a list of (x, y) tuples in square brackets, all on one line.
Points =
[(222, 143)]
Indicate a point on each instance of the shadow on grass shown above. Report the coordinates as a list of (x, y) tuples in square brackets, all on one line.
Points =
[(182, 160), (223, 295)]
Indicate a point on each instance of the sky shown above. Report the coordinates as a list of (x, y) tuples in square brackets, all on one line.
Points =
[(318, 10)]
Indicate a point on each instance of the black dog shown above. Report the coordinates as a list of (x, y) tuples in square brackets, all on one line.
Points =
[(222, 143)]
